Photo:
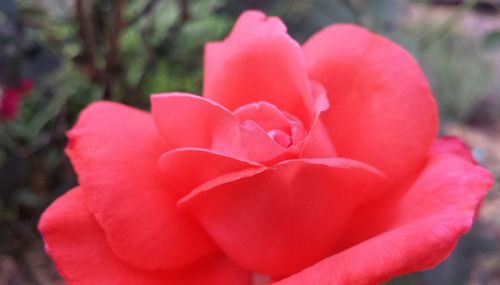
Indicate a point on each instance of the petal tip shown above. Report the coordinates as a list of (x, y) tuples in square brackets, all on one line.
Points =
[(257, 17)]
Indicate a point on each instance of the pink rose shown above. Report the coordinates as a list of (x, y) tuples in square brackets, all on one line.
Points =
[(312, 164), (11, 97)]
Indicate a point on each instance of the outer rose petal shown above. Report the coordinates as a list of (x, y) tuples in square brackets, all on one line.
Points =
[(79, 249), (382, 111), (452, 145), (285, 218), (115, 151), (425, 226), (257, 62)]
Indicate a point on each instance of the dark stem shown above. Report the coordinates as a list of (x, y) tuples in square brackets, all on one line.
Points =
[(87, 40), (112, 68), (144, 12), (184, 7), (153, 53)]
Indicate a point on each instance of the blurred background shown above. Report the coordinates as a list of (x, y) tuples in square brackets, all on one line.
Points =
[(57, 56)]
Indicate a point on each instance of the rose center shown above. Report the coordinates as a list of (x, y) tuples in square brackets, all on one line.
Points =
[(280, 137), (264, 121)]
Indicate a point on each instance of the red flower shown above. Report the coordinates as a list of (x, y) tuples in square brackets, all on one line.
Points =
[(9, 103), (312, 164)]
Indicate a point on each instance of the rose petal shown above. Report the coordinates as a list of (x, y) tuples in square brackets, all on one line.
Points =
[(257, 145), (257, 62), (187, 120), (115, 151), (423, 230), (189, 168), (280, 220), (192, 121), (382, 111), (452, 145), (79, 249), (318, 143), (267, 116)]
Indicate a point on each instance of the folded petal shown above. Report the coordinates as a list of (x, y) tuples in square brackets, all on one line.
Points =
[(285, 218), (82, 256), (187, 120), (115, 151), (192, 121), (257, 62), (269, 118), (421, 232), (381, 108), (189, 168), (318, 143), (257, 145)]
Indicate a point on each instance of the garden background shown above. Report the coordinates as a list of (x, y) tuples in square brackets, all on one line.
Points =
[(57, 56)]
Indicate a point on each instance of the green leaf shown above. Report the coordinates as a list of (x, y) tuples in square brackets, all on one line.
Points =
[(492, 40)]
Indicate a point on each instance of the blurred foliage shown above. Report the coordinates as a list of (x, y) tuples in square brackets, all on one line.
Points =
[(458, 73), (79, 51), (492, 40)]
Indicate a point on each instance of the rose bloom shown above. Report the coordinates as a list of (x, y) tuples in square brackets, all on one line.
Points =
[(312, 164), (11, 98)]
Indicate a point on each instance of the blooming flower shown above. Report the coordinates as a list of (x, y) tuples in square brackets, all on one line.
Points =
[(312, 164), (9, 103)]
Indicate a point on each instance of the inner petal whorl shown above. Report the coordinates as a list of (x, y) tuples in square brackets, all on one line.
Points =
[(267, 134), (280, 126), (282, 138)]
